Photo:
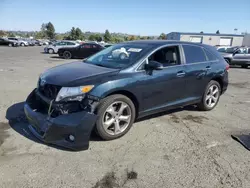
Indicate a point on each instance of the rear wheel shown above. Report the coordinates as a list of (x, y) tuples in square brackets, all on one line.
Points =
[(116, 114), (22, 44), (211, 96), (67, 55), (10, 44)]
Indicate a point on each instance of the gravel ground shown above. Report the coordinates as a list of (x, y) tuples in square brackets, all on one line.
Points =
[(181, 148)]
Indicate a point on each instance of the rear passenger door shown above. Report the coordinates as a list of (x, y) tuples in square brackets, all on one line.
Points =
[(198, 70)]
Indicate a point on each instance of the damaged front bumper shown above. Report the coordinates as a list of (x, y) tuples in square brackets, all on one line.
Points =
[(70, 130)]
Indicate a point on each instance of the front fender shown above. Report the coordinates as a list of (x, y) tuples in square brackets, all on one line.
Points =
[(104, 89)]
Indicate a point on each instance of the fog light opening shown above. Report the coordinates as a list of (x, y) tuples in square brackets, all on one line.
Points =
[(71, 138)]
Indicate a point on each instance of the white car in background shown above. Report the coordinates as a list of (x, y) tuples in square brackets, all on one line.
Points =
[(20, 41), (53, 48)]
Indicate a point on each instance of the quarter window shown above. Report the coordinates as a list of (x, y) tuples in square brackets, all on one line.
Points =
[(194, 54), (210, 56)]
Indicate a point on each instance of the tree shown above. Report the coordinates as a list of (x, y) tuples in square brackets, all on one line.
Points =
[(78, 34), (201, 32), (2, 33), (162, 36), (11, 35), (50, 30), (39, 35), (218, 32), (107, 36)]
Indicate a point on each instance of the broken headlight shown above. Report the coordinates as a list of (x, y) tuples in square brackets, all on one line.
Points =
[(73, 93)]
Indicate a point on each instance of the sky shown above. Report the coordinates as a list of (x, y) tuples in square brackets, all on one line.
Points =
[(138, 17)]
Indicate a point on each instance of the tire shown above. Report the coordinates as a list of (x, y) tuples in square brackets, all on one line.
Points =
[(67, 55), (51, 51), (244, 66), (10, 45), (102, 113), (22, 44), (204, 104)]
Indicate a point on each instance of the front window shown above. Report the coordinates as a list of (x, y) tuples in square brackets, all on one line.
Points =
[(119, 56)]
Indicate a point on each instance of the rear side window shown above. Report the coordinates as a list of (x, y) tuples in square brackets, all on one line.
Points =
[(194, 54), (210, 56), (222, 50)]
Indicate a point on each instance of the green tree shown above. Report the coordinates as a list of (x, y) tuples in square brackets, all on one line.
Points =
[(2, 33), (92, 37), (107, 36), (50, 30), (162, 36), (218, 32), (39, 35), (78, 34), (11, 35)]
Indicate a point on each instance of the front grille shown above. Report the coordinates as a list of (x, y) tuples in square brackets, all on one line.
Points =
[(48, 90)]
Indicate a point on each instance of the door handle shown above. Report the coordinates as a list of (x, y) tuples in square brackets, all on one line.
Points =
[(180, 74), (207, 68)]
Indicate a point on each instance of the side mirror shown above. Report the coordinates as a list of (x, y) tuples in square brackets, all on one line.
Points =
[(154, 65)]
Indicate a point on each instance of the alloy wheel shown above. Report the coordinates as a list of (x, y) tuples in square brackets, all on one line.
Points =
[(212, 96), (116, 118)]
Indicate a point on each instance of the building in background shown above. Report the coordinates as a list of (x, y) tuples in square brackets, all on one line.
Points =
[(246, 40), (208, 38)]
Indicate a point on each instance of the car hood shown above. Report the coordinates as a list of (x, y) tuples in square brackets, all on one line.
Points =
[(76, 74)]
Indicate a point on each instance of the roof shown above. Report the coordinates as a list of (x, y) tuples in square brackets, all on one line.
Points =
[(207, 34), (162, 42)]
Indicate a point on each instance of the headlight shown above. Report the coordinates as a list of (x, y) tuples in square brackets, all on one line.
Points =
[(73, 93)]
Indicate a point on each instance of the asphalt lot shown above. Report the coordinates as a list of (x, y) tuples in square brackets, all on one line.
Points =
[(181, 148)]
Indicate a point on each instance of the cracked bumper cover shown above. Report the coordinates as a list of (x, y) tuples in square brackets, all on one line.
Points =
[(57, 130)]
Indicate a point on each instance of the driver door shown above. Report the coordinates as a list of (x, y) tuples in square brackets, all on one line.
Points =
[(162, 88)]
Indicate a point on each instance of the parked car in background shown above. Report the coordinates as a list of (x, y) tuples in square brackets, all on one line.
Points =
[(20, 41), (6, 42), (81, 51), (106, 93), (223, 48), (238, 56), (53, 48)]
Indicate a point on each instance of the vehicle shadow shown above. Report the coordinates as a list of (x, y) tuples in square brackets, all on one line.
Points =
[(56, 57), (18, 122)]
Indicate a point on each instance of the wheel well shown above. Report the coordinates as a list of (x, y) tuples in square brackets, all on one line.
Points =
[(131, 96), (228, 59), (219, 80)]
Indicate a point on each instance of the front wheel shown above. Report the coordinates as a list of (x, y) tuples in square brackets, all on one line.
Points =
[(67, 55), (22, 44), (116, 114), (10, 44), (51, 51), (211, 96)]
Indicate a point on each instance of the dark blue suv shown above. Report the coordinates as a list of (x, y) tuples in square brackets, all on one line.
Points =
[(113, 87)]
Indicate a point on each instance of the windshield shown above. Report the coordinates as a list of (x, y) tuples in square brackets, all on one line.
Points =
[(230, 50), (119, 56)]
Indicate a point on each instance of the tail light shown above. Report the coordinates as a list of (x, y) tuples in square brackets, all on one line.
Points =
[(227, 67)]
